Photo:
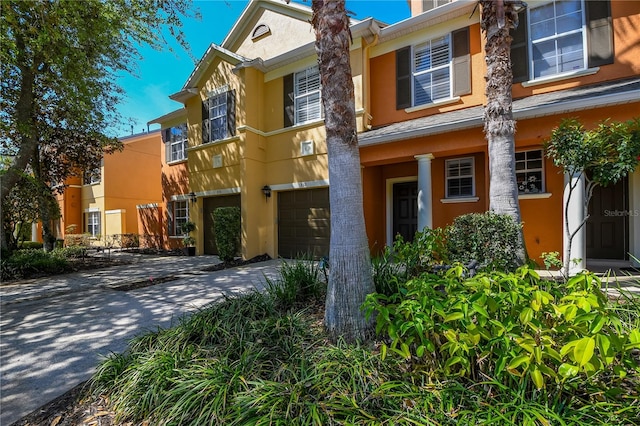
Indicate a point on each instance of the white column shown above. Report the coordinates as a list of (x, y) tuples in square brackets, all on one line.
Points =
[(425, 207), (34, 231), (634, 217), (575, 212)]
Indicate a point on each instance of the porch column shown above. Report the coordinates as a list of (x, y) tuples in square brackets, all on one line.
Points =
[(575, 214), (425, 207)]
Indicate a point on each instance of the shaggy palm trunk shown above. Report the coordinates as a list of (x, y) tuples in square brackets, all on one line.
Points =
[(498, 18), (350, 278)]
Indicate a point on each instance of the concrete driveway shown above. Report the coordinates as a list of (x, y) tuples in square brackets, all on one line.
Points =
[(53, 332)]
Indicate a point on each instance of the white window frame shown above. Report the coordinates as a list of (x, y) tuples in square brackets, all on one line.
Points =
[(416, 74), (460, 177), (179, 220), (525, 174), (302, 95), (93, 223), (218, 103), (178, 138), (556, 37)]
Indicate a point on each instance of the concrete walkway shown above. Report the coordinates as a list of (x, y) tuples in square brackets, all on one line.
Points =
[(54, 331)]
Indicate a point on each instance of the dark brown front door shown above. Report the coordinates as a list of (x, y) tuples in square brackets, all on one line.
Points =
[(405, 210), (608, 223), (304, 223), (209, 205)]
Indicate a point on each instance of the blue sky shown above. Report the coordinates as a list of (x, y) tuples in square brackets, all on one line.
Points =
[(162, 73)]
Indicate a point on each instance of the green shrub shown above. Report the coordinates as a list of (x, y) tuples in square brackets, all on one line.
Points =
[(72, 252), (25, 263), (30, 245), (226, 228), (299, 281), (512, 327), (489, 238)]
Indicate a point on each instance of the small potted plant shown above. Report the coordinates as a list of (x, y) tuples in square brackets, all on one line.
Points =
[(188, 241)]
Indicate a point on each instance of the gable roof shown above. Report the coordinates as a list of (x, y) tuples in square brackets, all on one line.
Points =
[(576, 99)]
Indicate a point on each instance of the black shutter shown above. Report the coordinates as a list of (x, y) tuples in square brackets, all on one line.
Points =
[(403, 78), (289, 98), (166, 139), (231, 113), (206, 123), (461, 62), (599, 33), (520, 50)]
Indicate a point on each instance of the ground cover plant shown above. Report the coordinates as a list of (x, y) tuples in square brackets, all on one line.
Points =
[(36, 262), (497, 348)]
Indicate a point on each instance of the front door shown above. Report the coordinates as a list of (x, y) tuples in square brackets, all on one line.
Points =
[(608, 223), (405, 210)]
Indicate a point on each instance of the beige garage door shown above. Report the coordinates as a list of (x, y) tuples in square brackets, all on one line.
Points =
[(304, 223)]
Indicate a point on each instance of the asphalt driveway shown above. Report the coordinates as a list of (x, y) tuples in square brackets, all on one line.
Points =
[(53, 332)]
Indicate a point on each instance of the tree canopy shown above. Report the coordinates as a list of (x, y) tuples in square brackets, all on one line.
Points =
[(60, 63)]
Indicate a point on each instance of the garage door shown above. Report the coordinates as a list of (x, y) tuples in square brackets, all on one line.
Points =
[(209, 205), (304, 223)]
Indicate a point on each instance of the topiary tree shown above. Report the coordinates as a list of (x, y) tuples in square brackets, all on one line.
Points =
[(227, 228), (601, 156)]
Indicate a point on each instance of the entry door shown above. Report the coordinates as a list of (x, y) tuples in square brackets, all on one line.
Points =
[(608, 223), (405, 210)]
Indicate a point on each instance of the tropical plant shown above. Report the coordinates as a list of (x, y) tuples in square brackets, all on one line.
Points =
[(298, 282), (498, 18), (350, 277), (600, 156)]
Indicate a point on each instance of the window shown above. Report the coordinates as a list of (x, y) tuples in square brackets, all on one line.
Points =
[(92, 176), (218, 116), (175, 139), (459, 179), (93, 223), (307, 95), (530, 171), (434, 70), (557, 38), (431, 71), (178, 215), (430, 4)]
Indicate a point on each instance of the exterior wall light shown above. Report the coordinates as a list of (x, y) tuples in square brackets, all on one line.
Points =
[(192, 197), (266, 190)]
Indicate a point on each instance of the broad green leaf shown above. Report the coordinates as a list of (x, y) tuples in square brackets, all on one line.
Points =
[(518, 361), (583, 351), (481, 310), (454, 316), (537, 378), (634, 336), (526, 315), (566, 349), (420, 351), (552, 353), (567, 370), (383, 351), (597, 324), (619, 371)]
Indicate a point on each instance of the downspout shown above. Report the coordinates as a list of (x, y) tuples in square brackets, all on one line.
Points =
[(366, 118)]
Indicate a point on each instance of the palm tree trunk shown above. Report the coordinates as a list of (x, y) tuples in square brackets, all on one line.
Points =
[(350, 276), (498, 17)]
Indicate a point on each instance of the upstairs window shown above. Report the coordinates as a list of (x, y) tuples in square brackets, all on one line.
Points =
[(431, 71), (557, 38), (175, 139), (432, 4), (308, 105), (530, 171), (302, 94), (218, 116), (460, 178)]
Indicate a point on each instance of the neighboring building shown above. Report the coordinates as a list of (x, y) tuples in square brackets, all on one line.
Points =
[(426, 160), (256, 135), (122, 196)]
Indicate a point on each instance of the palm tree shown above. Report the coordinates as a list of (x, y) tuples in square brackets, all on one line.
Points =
[(498, 18), (350, 278)]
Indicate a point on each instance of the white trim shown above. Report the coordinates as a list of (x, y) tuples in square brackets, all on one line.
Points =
[(147, 206), (214, 143), (436, 103), (173, 163), (389, 203), (534, 196), (459, 200), (116, 211), (92, 209), (300, 185), (180, 197), (560, 77), (215, 192)]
